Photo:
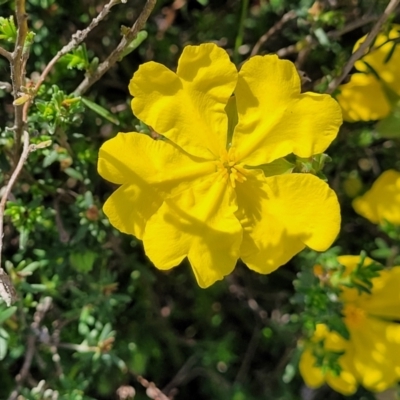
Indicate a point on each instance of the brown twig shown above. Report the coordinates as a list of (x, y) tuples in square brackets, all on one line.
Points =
[(24, 156), (115, 56), (38, 317), (17, 71), (364, 45), (76, 39), (5, 53), (249, 355), (309, 40), (152, 391), (275, 28)]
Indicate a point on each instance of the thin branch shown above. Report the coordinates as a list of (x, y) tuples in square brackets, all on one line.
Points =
[(41, 310), (364, 46), (24, 156), (275, 28), (249, 355), (310, 40), (115, 56), (17, 70), (4, 279), (76, 39), (5, 53)]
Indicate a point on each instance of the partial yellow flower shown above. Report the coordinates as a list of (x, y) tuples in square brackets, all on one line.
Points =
[(201, 192), (382, 202), (367, 96), (372, 354)]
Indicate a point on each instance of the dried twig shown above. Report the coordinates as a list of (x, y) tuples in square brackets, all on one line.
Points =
[(76, 39), (18, 72), (309, 40), (152, 391), (117, 53), (25, 153), (249, 355), (364, 46), (275, 28), (5, 53), (38, 317)]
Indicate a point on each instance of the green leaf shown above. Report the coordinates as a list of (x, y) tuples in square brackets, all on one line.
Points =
[(73, 173), (3, 343), (8, 30), (389, 127), (139, 39), (83, 262), (78, 58), (7, 313), (100, 110), (277, 167)]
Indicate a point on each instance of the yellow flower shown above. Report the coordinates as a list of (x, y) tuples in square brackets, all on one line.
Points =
[(368, 97), (382, 202), (201, 191), (372, 354)]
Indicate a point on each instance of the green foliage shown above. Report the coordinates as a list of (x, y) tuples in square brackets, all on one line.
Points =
[(8, 30), (99, 312)]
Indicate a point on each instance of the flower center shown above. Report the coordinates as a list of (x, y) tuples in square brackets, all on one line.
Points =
[(229, 168), (353, 316)]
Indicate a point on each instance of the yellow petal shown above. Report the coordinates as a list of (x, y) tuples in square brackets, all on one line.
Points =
[(130, 207), (376, 353), (312, 375), (138, 159), (282, 214), (266, 243), (388, 71), (198, 223), (384, 301), (382, 201), (188, 107), (346, 382), (275, 119), (363, 99)]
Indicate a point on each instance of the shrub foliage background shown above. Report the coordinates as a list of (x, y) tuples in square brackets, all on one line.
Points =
[(93, 315)]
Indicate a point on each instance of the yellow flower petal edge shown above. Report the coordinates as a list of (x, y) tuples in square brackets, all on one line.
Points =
[(275, 119), (282, 214), (388, 70), (191, 101), (382, 201), (194, 193), (200, 224), (371, 355), (369, 94), (363, 99)]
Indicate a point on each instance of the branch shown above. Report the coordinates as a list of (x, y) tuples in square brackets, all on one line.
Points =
[(17, 70), (76, 39), (117, 53), (364, 46), (275, 28), (5, 53), (41, 310), (5, 282)]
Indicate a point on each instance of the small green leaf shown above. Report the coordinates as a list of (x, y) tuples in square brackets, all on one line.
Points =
[(73, 173), (7, 313), (3, 343), (389, 127), (83, 262), (277, 167), (139, 39), (8, 30), (100, 110)]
